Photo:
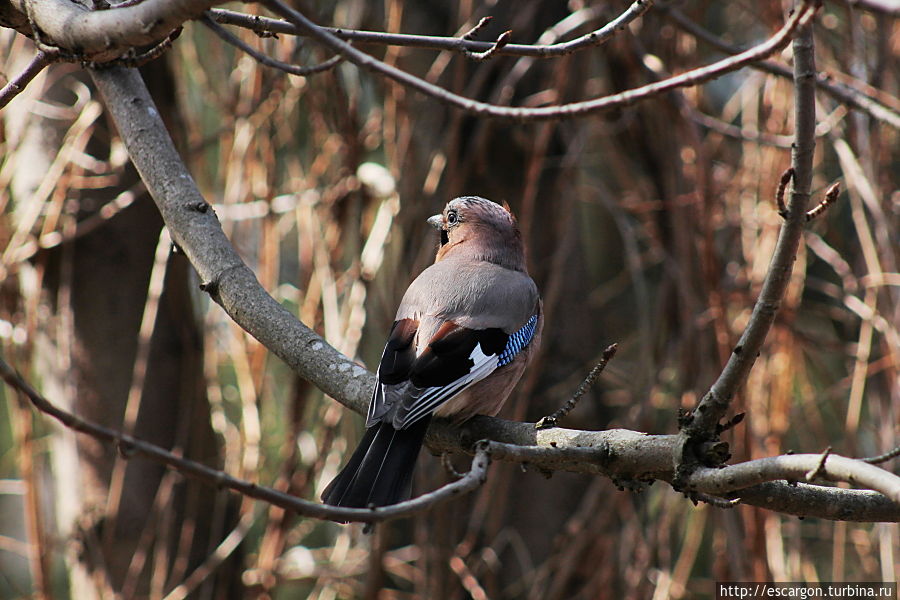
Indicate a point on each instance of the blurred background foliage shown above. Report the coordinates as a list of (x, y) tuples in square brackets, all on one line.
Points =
[(650, 226)]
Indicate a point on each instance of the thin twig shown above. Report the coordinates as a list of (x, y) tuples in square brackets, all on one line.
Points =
[(731, 423), (820, 466), (565, 409), (15, 85), (133, 58), (448, 466), (470, 34), (876, 460), (130, 446), (830, 196), (235, 41), (801, 17), (590, 40), (696, 497)]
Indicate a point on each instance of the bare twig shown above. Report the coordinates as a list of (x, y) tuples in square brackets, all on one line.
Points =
[(820, 466), (831, 194), (694, 77), (15, 85), (713, 500), (876, 460), (466, 44), (551, 420), (618, 454), (481, 24), (237, 42), (132, 58), (130, 446), (731, 423), (782, 187), (448, 466)]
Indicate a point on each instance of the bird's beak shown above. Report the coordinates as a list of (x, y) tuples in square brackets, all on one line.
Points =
[(437, 221)]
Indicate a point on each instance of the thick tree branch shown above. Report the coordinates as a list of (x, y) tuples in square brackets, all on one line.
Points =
[(102, 35), (795, 467), (196, 230)]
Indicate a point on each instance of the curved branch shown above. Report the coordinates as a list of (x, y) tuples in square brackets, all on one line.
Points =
[(264, 59), (801, 16), (595, 38), (795, 467), (130, 446), (102, 35), (619, 453), (196, 230)]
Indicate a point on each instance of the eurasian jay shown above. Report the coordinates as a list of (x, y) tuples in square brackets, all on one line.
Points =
[(464, 333)]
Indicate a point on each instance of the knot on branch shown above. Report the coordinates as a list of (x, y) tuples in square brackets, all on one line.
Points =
[(213, 285), (699, 444)]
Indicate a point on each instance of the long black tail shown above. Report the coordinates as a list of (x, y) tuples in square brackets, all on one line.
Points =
[(380, 471)]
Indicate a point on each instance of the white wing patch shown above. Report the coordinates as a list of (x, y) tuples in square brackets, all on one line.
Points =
[(428, 399)]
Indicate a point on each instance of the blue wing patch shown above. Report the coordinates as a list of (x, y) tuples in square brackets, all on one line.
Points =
[(518, 341)]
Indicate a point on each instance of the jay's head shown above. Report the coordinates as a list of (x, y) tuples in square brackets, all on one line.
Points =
[(476, 228)]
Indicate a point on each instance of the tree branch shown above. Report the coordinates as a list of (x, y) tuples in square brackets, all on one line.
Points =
[(130, 446), (101, 35), (842, 93), (456, 44), (701, 424), (196, 230), (15, 85), (618, 453), (230, 38), (801, 16), (795, 467)]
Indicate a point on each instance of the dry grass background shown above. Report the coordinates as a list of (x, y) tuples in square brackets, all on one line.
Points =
[(650, 226)]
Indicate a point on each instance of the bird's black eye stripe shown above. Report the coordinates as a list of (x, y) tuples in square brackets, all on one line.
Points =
[(452, 217)]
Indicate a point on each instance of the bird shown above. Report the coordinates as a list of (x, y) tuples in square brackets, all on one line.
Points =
[(464, 333)]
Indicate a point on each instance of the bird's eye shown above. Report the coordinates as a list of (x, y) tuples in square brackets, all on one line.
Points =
[(452, 218)]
